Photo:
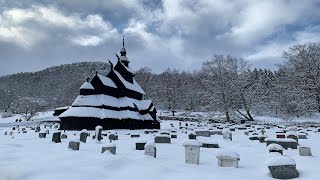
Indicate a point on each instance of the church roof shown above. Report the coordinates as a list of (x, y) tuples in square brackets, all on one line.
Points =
[(107, 81), (104, 113), (132, 86), (87, 85), (106, 100)]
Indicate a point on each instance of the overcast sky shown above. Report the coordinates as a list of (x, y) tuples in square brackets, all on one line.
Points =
[(35, 34)]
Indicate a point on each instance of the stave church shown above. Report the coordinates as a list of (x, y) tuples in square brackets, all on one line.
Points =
[(114, 101)]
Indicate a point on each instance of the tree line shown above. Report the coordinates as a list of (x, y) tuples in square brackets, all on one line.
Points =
[(229, 85), (224, 84)]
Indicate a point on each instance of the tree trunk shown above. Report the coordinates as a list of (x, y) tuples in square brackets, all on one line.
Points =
[(227, 115)]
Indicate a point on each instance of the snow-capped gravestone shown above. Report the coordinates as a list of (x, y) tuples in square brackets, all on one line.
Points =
[(140, 144), (204, 133), (162, 139), (305, 151), (47, 131), (38, 129), (227, 134), (228, 159), (98, 134), (150, 149), (83, 136), (292, 135), (210, 144), (113, 137), (275, 148), (56, 137), (74, 145), (111, 147), (285, 143), (192, 135), (192, 151), (282, 167)]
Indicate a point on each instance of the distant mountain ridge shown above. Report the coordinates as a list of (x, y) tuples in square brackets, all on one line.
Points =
[(56, 86)]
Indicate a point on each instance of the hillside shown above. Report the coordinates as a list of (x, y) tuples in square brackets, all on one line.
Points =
[(52, 87)]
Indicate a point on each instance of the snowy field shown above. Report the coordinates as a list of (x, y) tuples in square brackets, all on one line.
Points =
[(27, 157)]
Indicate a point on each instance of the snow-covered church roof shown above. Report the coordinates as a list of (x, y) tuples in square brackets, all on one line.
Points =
[(132, 86), (107, 81), (87, 85)]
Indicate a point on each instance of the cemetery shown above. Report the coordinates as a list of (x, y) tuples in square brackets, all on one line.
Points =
[(193, 150)]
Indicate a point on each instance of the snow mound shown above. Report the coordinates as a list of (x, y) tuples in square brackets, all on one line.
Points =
[(280, 161), (191, 142), (274, 147), (228, 154)]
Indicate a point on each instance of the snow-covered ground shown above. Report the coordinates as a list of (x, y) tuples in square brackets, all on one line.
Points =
[(27, 157)]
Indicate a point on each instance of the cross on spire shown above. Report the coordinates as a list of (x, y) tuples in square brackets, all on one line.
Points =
[(123, 41)]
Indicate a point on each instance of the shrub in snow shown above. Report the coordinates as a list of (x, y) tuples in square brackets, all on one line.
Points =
[(228, 158), (282, 167)]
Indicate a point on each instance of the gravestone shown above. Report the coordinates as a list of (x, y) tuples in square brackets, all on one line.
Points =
[(227, 134), (282, 167), (140, 145), (112, 148), (204, 133), (74, 145), (305, 151), (56, 137), (113, 137), (150, 150), (228, 159), (38, 129), (47, 131), (174, 136), (192, 136), (98, 134), (5, 133), (275, 148), (192, 151), (135, 135), (162, 139), (10, 133), (42, 135), (209, 144), (83, 136), (64, 136)]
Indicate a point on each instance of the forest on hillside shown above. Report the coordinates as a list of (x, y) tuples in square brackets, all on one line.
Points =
[(224, 83)]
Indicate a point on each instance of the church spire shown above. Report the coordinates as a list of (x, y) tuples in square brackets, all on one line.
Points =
[(123, 51)]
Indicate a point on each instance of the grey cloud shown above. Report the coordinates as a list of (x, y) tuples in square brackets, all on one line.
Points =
[(159, 34)]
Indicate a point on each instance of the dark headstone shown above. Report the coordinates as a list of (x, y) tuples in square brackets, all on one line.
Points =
[(56, 137), (135, 135), (140, 145), (162, 139), (42, 135), (74, 145), (113, 137), (111, 149), (192, 136), (83, 137), (284, 172)]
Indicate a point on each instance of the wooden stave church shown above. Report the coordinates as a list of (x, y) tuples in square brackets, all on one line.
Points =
[(114, 101)]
